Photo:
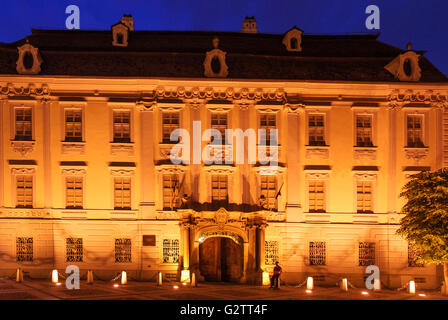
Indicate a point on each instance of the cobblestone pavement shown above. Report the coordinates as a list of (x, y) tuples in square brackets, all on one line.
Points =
[(101, 290)]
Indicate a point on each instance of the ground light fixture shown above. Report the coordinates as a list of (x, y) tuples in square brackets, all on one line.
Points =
[(365, 293), (175, 287), (116, 285), (309, 291)]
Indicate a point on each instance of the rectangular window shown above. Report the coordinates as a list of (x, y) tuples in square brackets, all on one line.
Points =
[(364, 196), (74, 193), (170, 251), (415, 131), (269, 191), (270, 252), (316, 196), (170, 191), (268, 123), (317, 253), (74, 250), (316, 130), (413, 253), (73, 125), (123, 251), (366, 253), (219, 122), (24, 191), (364, 131), (122, 126), (24, 249), (170, 122), (122, 193), (219, 187), (23, 124)]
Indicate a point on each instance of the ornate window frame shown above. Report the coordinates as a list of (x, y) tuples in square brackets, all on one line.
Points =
[(371, 176), (80, 171), (396, 66), (29, 170), (319, 175), (162, 170), (27, 48), (220, 170), (221, 56), (125, 172)]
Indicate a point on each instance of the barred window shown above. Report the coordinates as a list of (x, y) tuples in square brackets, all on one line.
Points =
[(366, 253), (413, 253), (219, 122), (269, 191), (23, 124), (268, 123), (170, 191), (317, 253), (123, 250), (364, 131), (270, 252), (170, 251), (122, 193), (122, 126), (170, 122), (74, 193), (74, 250), (316, 130), (316, 196), (415, 131), (364, 196), (219, 187), (73, 125), (24, 249), (24, 191)]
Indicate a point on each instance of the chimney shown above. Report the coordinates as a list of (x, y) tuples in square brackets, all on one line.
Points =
[(249, 25), (128, 21)]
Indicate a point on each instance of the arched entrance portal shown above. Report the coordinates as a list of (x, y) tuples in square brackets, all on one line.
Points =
[(221, 258)]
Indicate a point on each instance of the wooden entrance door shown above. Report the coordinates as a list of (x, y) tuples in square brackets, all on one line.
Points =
[(221, 259)]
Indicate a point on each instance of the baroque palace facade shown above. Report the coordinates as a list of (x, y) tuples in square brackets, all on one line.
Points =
[(86, 179)]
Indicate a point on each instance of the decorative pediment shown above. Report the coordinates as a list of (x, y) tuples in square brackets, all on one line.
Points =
[(398, 98), (73, 172), (292, 40)]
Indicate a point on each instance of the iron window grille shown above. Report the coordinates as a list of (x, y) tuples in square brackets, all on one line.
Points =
[(24, 249), (123, 250), (74, 250), (366, 253), (271, 252), (317, 253), (170, 251)]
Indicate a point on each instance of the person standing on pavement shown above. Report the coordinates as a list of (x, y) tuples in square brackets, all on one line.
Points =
[(276, 275)]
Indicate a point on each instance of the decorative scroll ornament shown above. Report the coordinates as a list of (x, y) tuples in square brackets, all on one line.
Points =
[(22, 147), (122, 172), (398, 98), (73, 172), (317, 176), (215, 54), (21, 171), (365, 154), (317, 153), (224, 234), (11, 90), (25, 50), (416, 154), (365, 176), (207, 93)]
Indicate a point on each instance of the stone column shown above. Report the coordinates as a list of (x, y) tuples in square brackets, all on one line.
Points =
[(185, 236), (261, 238)]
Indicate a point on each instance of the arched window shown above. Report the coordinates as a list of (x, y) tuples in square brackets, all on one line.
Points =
[(294, 44)]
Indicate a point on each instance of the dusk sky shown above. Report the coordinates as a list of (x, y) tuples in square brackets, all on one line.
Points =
[(424, 23)]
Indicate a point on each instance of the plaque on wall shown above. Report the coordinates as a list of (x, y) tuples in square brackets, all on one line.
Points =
[(149, 240)]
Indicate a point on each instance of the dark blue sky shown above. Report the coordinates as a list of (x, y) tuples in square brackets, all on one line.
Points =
[(422, 22)]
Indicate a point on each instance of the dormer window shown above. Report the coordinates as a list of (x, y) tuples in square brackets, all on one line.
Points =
[(29, 60), (405, 67), (249, 25), (292, 40), (120, 32)]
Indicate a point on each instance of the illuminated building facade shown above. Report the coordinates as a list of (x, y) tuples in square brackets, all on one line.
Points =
[(86, 176)]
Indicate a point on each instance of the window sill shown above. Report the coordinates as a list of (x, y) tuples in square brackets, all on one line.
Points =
[(23, 146), (117, 148)]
